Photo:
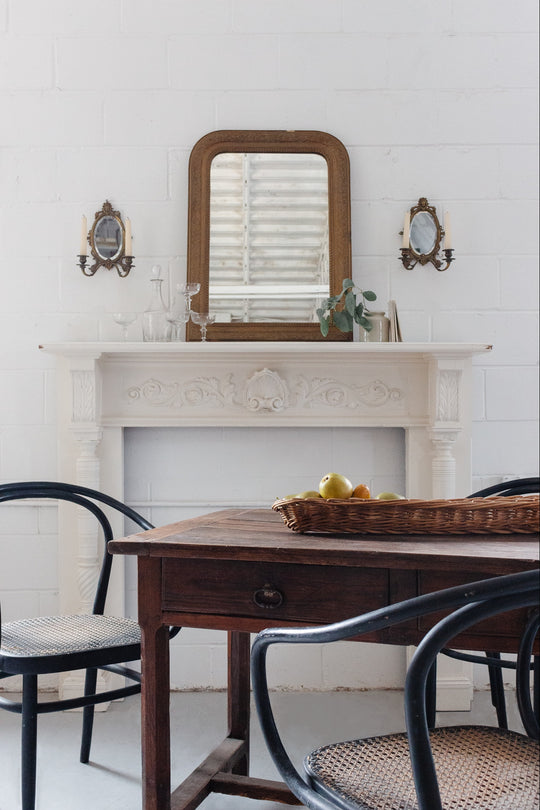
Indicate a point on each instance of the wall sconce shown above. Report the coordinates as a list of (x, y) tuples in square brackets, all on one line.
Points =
[(422, 235), (110, 242)]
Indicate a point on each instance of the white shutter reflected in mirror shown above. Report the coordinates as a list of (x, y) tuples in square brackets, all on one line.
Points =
[(269, 245)]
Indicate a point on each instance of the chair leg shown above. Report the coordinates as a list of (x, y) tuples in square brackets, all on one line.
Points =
[(536, 686), (29, 741), (431, 695), (496, 686), (88, 715)]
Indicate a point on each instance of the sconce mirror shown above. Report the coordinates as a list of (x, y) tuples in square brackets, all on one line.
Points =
[(110, 242), (268, 232), (108, 237), (424, 233), (422, 237)]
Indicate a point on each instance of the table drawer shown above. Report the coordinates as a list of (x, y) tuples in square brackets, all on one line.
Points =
[(510, 628), (310, 593)]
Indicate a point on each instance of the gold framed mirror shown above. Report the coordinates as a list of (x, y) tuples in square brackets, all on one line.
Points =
[(269, 232), (423, 236), (110, 243)]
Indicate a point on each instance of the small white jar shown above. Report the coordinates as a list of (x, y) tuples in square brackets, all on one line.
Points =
[(380, 331)]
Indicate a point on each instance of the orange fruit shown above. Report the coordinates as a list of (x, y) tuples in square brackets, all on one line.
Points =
[(361, 491)]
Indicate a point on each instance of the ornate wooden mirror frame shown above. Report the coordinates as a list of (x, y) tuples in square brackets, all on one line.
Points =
[(339, 215)]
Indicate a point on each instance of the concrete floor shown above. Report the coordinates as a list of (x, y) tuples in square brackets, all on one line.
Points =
[(112, 779)]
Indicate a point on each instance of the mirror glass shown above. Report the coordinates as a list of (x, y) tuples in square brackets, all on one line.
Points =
[(423, 233), (108, 238), (269, 256), (268, 232)]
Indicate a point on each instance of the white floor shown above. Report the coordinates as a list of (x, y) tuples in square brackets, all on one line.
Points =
[(112, 780)]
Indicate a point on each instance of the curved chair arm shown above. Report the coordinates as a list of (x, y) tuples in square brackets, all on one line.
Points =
[(518, 486), (30, 489), (448, 599), (85, 497)]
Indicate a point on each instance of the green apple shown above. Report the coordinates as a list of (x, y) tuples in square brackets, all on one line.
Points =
[(309, 493), (334, 485), (389, 496)]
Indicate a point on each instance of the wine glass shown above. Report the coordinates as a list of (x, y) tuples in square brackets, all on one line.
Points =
[(203, 320), (177, 313), (189, 290), (124, 319)]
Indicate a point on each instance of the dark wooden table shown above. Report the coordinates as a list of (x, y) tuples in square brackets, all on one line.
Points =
[(241, 570)]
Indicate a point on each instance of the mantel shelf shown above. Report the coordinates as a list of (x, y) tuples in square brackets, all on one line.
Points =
[(275, 348)]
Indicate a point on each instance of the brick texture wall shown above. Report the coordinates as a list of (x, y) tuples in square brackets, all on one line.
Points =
[(105, 100)]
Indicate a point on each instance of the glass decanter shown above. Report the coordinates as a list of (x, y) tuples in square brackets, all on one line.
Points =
[(155, 326)]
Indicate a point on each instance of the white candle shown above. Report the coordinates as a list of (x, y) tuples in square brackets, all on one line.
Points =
[(447, 231), (128, 237), (406, 228), (84, 235)]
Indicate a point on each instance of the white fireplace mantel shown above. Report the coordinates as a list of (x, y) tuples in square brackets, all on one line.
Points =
[(424, 388)]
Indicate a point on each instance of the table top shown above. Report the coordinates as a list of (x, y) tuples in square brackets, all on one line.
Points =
[(260, 534)]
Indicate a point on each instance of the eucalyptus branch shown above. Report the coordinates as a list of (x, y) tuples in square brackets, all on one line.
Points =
[(344, 309)]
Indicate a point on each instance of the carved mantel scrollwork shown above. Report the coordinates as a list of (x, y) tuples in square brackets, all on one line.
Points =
[(199, 391), (265, 391), (332, 393)]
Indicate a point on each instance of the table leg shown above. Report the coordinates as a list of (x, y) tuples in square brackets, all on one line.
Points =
[(155, 726), (239, 694)]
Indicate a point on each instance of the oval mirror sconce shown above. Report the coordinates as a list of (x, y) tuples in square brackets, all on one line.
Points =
[(109, 240), (422, 237)]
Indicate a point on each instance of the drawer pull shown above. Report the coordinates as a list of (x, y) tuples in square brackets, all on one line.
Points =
[(268, 597)]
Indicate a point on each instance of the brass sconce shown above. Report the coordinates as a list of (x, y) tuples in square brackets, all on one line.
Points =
[(110, 242), (422, 235)]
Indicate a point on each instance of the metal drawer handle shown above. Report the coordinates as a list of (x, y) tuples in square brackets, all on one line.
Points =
[(268, 597)]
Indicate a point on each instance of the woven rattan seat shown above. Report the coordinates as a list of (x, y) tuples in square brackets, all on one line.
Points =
[(478, 768), (58, 635)]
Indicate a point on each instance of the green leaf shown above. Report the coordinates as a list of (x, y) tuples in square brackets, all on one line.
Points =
[(325, 326), (368, 326), (359, 312), (350, 303), (369, 295), (347, 284), (343, 321)]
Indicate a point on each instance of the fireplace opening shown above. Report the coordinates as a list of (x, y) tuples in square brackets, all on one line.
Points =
[(173, 473)]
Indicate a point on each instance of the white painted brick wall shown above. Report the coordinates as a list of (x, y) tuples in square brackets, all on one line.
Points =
[(106, 101)]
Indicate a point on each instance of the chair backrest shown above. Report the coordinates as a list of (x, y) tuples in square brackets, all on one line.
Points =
[(518, 486), (86, 498), (469, 604)]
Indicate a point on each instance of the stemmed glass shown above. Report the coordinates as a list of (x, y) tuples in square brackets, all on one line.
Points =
[(124, 319), (203, 320), (189, 290), (177, 313)]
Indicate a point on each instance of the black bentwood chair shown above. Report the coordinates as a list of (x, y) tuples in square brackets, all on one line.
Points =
[(455, 768), (518, 486), (48, 644)]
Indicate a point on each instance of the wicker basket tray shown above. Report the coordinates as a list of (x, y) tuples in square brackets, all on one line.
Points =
[(511, 515)]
